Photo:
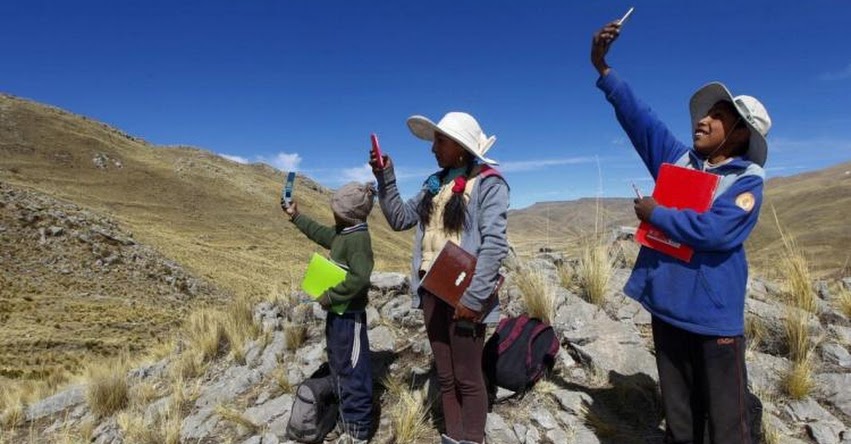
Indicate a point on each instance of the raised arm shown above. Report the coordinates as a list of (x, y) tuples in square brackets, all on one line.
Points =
[(400, 215), (652, 139)]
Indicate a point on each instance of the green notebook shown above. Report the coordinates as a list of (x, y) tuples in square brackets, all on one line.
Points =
[(321, 275)]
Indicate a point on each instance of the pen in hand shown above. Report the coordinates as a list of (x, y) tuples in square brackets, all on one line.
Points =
[(637, 191)]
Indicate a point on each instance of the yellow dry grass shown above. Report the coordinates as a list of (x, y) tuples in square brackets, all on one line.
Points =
[(538, 294), (755, 332), (795, 268), (218, 219), (239, 326), (408, 413), (595, 270), (206, 334), (107, 391), (843, 301), (235, 417), (798, 382)]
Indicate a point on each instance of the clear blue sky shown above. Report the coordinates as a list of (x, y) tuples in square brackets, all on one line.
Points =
[(302, 83)]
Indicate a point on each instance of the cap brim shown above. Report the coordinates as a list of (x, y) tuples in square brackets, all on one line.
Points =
[(424, 128), (714, 92)]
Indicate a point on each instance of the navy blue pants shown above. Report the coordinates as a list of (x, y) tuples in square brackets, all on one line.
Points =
[(348, 355)]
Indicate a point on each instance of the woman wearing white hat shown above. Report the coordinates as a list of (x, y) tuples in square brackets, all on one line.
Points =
[(465, 202)]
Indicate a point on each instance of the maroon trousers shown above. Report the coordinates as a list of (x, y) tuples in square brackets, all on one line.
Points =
[(457, 349)]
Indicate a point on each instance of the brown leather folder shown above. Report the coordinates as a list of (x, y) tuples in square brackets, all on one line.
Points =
[(451, 273)]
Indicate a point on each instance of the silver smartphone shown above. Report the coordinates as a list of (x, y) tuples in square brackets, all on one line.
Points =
[(626, 16)]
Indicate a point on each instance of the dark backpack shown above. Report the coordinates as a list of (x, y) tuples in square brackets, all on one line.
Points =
[(314, 411), (519, 353)]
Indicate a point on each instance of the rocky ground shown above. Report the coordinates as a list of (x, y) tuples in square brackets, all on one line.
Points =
[(603, 390)]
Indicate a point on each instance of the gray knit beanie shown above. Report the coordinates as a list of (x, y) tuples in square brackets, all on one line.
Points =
[(353, 202)]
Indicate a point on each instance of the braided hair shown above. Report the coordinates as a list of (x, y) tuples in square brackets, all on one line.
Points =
[(455, 211)]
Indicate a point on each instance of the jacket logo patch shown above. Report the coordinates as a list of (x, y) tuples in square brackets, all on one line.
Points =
[(745, 201)]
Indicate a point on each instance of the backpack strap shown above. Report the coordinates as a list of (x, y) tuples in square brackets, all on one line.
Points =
[(516, 330), (535, 332), (540, 328), (487, 171), (728, 179)]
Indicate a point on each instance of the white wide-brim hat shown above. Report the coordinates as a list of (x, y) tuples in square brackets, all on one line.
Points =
[(750, 109), (458, 126)]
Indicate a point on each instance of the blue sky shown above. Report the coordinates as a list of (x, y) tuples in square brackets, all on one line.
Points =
[(302, 84)]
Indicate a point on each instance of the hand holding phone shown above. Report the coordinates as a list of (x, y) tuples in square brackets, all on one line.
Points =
[(376, 152), (625, 16), (287, 191)]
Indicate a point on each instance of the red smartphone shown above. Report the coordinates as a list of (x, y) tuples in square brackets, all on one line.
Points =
[(376, 151)]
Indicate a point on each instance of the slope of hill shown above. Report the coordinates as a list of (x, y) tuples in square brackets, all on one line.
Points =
[(74, 285), (559, 225), (65, 297), (219, 218), (814, 207)]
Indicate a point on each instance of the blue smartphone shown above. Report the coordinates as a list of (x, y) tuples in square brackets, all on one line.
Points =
[(287, 192)]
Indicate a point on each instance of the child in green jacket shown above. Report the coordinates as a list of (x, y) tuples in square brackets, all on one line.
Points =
[(345, 335)]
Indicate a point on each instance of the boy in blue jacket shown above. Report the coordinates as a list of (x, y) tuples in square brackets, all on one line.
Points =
[(697, 307)]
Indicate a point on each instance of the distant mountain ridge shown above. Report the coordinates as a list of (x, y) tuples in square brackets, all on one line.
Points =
[(814, 207)]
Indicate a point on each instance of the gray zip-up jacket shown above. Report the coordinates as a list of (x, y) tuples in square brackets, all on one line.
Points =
[(485, 237)]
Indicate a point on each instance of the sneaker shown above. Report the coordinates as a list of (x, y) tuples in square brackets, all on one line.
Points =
[(345, 438), (334, 434), (445, 439)]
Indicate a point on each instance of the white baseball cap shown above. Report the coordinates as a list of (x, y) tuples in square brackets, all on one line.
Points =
[(749, 108), (458, 126)]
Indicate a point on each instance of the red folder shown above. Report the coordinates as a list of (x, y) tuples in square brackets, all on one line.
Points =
[(683, 189)]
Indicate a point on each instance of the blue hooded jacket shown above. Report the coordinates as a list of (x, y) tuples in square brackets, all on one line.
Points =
[(707, 295)]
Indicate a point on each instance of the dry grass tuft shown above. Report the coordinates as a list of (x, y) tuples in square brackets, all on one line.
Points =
[(794, 266), (282, 382), (188, 365), (206, 334), (602, 427), (11, 407), (239, 326), (755, 332), (545, 387), (798, 383), (843, 301), (409, 413), (108, 390), (595, 270), (233, 416), (566, 275), (770, 434), (142, 394), (295, 327), (294, 335), (797, 335), (538, 294)]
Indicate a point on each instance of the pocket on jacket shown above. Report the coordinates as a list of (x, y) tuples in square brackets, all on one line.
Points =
[(705, 284)]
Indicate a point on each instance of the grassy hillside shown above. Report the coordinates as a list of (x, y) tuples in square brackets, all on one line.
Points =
[(559, 225), (219, 218), (813, 207), (67, 293)]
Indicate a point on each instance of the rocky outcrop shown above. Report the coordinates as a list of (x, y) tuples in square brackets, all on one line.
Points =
[(603, 389)]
